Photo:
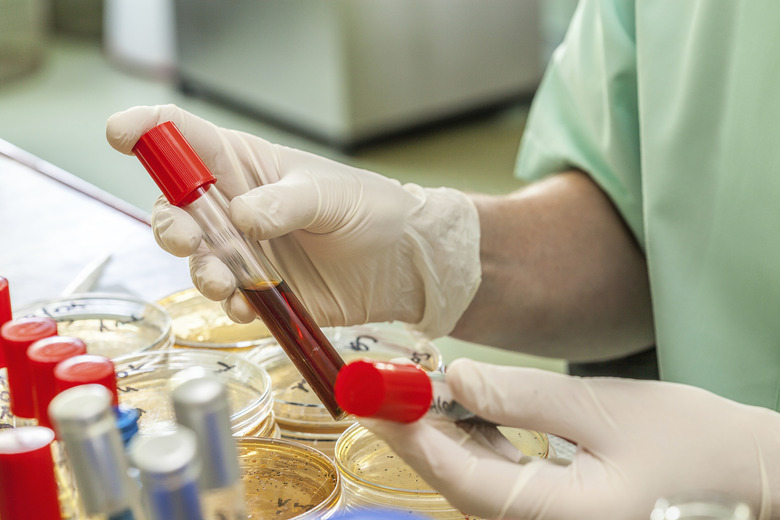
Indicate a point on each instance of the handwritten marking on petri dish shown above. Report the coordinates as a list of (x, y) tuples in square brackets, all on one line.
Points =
[(359, 345)]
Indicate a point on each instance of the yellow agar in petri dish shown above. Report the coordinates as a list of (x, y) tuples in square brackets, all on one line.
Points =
[(201, 323), (287, 480), (299, 413), (144, 381), (373, 476), (111, 325)]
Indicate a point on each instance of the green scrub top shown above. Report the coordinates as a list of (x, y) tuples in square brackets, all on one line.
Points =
[(673, 107)]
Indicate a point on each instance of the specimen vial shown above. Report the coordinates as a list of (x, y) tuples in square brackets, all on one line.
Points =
[(169, 468), (43, 356), (145, 381), (87, 369), (28, 488), (111, 325), (17, 336), (5, 312), (85, 421), (299, 413), (374, 476), (201, 404), (701, 505), (202, 323), (187, 183), (287, 480)]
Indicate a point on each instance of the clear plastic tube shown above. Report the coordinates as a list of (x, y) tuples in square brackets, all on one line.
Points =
[(187, 183)]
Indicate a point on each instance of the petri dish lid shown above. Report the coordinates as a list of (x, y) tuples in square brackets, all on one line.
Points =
[(366, 460), (111, 325), (285, 479), (295, 405), (145, 381), (201, 323)]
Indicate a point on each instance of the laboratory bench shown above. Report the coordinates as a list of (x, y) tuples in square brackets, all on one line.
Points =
[(67, 198)]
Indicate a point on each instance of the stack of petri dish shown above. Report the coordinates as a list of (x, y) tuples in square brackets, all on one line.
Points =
[(288, 480), (374, 477), (201, 323), (111, 325), (299, 413), (145, 382)]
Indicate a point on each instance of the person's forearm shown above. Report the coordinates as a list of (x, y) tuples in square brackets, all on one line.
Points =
[(562, 276)]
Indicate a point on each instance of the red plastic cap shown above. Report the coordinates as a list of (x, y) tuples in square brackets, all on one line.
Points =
[(172, 163), (17, 336), (28, 489), (44, 355), (396, 392), (5, 310), (87, 369)]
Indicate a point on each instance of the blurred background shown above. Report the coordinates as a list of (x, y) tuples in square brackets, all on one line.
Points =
[(427, 91)]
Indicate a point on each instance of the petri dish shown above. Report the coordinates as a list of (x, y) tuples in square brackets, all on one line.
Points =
[(111, 325), (145, 381), (201, 323), (287, 480), (373, 476), (299, 413)]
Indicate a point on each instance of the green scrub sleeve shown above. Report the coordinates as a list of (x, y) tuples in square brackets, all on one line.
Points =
[(585, 113)]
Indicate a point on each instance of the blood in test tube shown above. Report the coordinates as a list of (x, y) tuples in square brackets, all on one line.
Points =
[(17, 336), (43, 356), (187, 183), (28, 488)]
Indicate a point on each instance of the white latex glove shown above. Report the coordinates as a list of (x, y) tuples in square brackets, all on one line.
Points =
[(354, 246), (637, 441)]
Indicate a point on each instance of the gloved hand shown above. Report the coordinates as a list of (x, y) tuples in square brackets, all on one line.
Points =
[(637, 441), (355, 246)]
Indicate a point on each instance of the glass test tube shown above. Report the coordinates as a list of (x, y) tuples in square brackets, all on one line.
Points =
[(398, 392), (187, 183), (17, 336), (201, 404), (169, 468), (85, 421), (28, 489)]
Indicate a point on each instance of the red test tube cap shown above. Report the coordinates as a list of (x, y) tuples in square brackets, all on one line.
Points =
[(392, 391), (87, 369), (5, 310), (44, 355), (17, 336), (172, 163), (28, 488)]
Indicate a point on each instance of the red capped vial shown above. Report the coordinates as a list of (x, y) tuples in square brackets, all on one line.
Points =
[(17, 336), (44, 355), (87, 369)]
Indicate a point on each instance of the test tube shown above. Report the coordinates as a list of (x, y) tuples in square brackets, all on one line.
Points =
[(5, 311), (398, 392), (28, 489), (187, 183), (17, 336), (43, 356), (201, 404), (169, 468), (6, 417), (85, 421)]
